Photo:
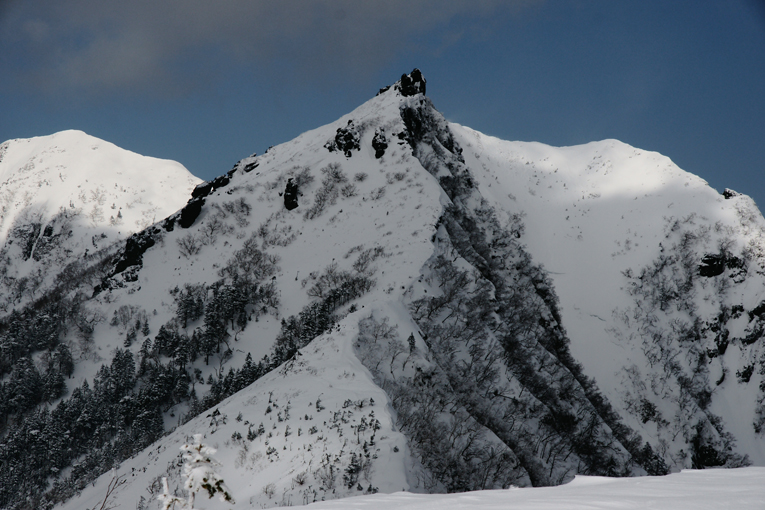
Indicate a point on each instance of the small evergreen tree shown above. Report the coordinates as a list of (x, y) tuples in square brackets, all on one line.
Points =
[(62, 357)]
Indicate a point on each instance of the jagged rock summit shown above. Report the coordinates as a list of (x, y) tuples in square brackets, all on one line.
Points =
[(409, 84), (443, 311), (412, 83)]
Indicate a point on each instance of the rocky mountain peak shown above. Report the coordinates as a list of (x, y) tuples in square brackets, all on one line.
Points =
[(412, 83), (409, 84)]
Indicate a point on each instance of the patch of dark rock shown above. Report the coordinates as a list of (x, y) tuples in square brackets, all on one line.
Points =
[(135, 246), (202, 190), (346, 140), (169, 223), (757, 311), (412, 83), (291, 195), (221, 181), (249, 167), (729, 193), (205, 188), (379, 143), (736, 268), (755, 334), (107, 284), (190, 213), (721, 340), (745, 374), (131, 274), (712, 265)]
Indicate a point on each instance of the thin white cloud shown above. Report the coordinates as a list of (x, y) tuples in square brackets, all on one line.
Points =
[(114, 45)]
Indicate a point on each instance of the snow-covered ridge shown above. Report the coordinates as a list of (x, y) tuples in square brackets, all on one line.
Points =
[(599, 215), (71, 167), (67, 195)]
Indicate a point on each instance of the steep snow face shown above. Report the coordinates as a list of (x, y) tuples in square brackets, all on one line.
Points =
[(348, 205), (660, 279), (68, 195), (329, 430)]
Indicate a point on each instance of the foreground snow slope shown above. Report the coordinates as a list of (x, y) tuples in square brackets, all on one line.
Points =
[(739, 489), (304, 418)]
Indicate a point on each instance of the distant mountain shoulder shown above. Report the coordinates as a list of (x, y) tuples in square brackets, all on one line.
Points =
[(67, 196)]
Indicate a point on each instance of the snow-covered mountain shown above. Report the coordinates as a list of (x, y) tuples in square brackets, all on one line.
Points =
[(660, 278), (442, 312), (67, 196)]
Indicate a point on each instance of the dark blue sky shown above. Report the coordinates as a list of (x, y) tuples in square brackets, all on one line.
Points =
[(209, 85)]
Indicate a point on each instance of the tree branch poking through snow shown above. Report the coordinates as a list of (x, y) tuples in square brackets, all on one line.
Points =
[(199, 469)]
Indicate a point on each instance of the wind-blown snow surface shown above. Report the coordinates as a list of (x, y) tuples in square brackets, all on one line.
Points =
[(69, 194), (739, 489), (596, 216)]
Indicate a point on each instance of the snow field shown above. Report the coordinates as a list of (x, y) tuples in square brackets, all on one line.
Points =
[(739, 489)]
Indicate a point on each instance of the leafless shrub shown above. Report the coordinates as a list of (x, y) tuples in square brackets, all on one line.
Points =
[(189, 245), (269, 490), (328, 193), (212, 228), (349, 190), (302, 177), (300, 478), (377, 193), (239, 209)]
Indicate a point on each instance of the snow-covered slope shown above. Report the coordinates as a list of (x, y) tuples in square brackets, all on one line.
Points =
[(596, 216), (288, 440), (68, 195), (407, 326), (740, 489)]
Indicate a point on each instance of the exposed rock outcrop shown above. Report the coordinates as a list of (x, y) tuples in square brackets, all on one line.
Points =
[(346, 140)]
